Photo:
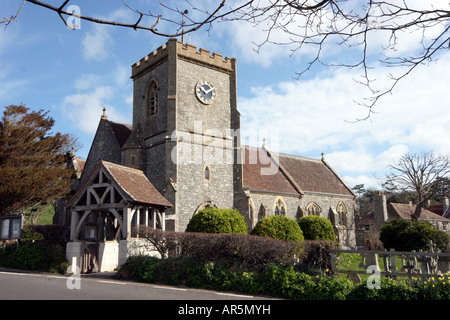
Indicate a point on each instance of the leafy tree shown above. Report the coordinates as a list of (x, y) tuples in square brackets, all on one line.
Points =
[(278, 227), (32, 159), (316, 228), (213, 220), (406, 235)]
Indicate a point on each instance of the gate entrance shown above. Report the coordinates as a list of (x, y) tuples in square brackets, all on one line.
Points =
[(89, 258)]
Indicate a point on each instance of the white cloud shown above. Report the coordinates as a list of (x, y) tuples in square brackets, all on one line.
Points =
[(310, 118), (97, 44), (87, 81), (85, 109)]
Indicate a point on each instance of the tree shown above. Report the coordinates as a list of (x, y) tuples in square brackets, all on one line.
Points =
[(419, 173), (307, 26), (405, 235), (32, 159)]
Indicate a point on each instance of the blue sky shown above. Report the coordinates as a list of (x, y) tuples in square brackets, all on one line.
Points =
[(75, 73)]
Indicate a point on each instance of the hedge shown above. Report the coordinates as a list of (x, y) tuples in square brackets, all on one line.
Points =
[(251, 251), (276, 280)]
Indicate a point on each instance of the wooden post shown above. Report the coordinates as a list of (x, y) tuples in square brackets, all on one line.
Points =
[(333, 262), (393, 267)]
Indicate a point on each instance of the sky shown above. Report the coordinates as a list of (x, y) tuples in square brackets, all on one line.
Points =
[(73, 74)]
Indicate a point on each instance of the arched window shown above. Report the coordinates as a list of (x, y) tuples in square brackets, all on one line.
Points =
[(342, 213), (261, 212), (280, 208), (313, 209), (152, 98), (251, 213), (207, 173)]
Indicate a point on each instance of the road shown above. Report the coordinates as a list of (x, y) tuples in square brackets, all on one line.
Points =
[(44, 286)]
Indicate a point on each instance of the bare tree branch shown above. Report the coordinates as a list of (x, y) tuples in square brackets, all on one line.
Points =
[(316, 25), (136, 26), (7, 21)]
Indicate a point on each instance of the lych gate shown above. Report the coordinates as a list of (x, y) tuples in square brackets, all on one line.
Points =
[(112, 201)]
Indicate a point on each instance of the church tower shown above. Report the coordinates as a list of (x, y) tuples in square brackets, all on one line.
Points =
[(185, 111)]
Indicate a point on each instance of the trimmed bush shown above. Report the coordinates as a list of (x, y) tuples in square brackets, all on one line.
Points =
[(316, 228), (278, 227), (213, 220)]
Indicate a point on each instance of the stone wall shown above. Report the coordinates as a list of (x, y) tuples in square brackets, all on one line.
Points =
[(264, 204)]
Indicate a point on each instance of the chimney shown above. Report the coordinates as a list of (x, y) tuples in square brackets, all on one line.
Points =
[(380, 209)]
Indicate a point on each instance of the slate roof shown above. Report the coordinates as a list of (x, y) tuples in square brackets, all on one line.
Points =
[(404, 211), (296, 175), (121, 131)]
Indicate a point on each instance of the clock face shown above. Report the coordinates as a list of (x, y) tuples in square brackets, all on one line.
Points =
[(205, 92)]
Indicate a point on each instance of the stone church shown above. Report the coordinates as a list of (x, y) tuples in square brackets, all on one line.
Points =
[(183, 153)]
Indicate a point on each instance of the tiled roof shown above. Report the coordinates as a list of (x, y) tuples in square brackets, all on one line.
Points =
[(135, 184), (314, 175), (255, 160), (296, 174), (405, 211)]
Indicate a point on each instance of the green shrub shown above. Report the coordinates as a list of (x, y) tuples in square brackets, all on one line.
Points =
[(316, 228), (139, 268), (389, 290), (278, 227), (405, 235), (434, 288), (29, 257), (277, 280), (286, 282), (213, 220)]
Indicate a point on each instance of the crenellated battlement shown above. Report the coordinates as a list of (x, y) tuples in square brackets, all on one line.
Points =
[(184, 51), (190, 52)]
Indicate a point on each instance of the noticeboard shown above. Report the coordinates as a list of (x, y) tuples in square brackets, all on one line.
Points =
[(11, 227)]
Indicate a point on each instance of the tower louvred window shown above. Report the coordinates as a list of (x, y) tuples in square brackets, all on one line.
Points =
[(153, 99)]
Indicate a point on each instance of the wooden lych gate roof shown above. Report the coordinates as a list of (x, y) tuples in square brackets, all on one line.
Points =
[(131, 183)]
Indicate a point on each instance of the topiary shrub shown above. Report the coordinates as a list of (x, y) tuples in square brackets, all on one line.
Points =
[(213, 220), (316, 228), (278, 227)]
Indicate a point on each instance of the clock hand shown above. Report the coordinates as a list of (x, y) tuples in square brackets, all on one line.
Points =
[(208, 91)]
